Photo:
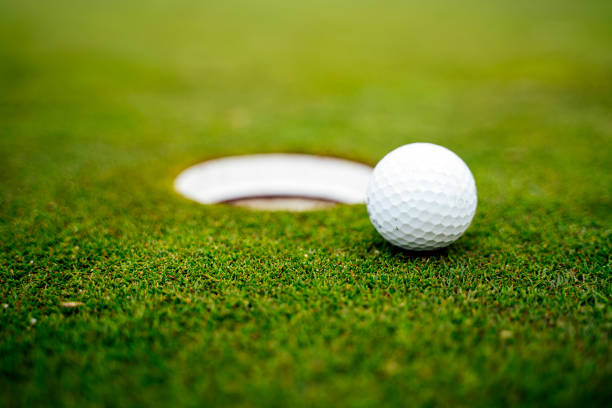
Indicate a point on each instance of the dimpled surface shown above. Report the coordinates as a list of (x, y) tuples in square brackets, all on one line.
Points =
[(421, 196)]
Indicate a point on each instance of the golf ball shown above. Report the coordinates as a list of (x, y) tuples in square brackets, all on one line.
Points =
[(421, 196)]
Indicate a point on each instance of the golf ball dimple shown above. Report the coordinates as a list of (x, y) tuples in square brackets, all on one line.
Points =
[(421, 196)]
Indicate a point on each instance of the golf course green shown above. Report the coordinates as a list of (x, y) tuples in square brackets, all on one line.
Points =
[(116, 291)]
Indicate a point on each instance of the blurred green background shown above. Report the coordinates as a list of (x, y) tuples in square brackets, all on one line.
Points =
[(102, 104)]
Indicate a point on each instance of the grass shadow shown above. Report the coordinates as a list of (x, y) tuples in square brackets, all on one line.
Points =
[(380, 244)]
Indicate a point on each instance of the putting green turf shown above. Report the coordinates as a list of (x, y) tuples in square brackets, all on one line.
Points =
[(102, 104)]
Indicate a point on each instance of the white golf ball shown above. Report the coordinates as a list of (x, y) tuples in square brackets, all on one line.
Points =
[(421, 196)]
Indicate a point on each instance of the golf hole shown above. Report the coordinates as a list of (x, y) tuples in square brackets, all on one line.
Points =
[(290, 182)]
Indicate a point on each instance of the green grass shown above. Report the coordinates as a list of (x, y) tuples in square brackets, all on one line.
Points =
[(102, 104)]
